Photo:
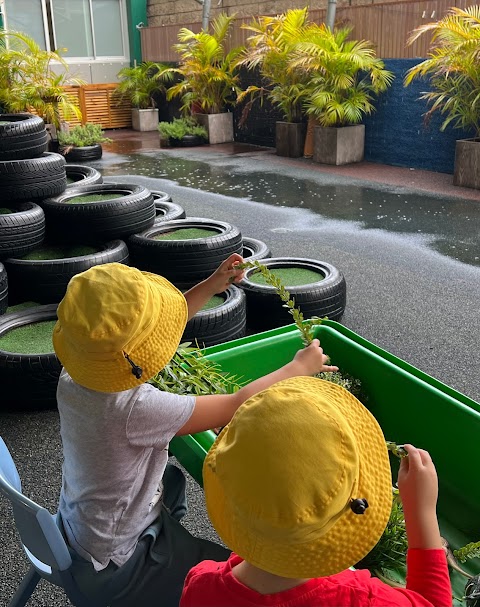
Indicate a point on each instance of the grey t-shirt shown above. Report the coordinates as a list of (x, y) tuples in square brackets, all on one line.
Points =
[(115, 449)]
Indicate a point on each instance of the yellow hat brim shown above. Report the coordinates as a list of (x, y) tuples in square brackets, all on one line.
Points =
[(348, 540), (114, 373)]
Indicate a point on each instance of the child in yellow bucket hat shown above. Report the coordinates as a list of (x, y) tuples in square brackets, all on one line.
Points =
[(299, 486), (120, 502)]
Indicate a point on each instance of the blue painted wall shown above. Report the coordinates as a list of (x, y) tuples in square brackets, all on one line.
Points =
[(395, 133)]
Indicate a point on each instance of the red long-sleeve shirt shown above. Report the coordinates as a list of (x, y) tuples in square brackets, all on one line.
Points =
[(211, 584)]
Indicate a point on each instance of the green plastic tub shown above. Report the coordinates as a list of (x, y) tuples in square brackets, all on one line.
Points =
[(410, 406)]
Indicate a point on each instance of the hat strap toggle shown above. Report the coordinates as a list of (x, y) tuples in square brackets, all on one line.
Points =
[(136, 370), (359, 505)]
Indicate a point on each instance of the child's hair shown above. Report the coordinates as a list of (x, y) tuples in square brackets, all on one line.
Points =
[(299, 482), (118, 326)]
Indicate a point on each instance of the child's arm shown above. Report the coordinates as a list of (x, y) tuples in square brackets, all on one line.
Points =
[(418, 485), (427, 570), (217, 410), (220, 280)]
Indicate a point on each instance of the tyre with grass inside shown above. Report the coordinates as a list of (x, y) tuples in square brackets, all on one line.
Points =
[(32, 179), (22, 136), (3, 289), (317, 287), (44, 273), (223, 318), (185, 251), (168, 211), (22, 228), (255, 250), (29, 368), (96, 213), (80, 175)]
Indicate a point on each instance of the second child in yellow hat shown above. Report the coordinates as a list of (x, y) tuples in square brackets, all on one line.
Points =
[(120, 502), (298, 485)]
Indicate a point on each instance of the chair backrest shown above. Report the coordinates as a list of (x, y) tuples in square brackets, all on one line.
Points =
[(39, 532)]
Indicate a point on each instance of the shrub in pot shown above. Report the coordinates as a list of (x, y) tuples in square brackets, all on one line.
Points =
[(183, 132), (453, 68), (140, 85), (209, 78), (83, 142)]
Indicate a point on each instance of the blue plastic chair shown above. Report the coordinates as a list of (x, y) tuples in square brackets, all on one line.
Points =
[(41, 539)]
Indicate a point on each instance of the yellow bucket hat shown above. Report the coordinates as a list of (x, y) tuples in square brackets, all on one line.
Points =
[(118, 326), (299, 482)]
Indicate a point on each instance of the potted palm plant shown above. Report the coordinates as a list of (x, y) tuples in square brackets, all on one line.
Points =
[(29, 84), (209, 78), (453, 68), (269, 50), (345, 76), (140, 85)]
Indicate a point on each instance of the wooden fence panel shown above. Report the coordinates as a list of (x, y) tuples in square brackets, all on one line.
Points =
[(386, 25), (99, 106)]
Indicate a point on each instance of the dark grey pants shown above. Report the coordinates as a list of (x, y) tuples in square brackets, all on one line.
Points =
[(154, 575)]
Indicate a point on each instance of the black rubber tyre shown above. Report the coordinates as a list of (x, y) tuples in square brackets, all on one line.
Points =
[(107, 219), (45, 281), (85, 153), (326, 297), (220, 324), (3, 289), (81, 175), (22, 136), (29, 381), (168, 211), (32, 179), (159, 196), (184, 262), (255, 250), (21, 230)]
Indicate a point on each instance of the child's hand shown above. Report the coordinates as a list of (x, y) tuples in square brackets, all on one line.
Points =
[(226, 274), (312, 359), (418, 486)]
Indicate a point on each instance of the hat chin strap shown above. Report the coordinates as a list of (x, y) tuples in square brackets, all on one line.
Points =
[(136, 369)]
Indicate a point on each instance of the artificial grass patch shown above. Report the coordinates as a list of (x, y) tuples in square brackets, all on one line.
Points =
[(290, 277), (92, 198), (60, 252), (21, 306), (5, 211), (213, 302), (34, 338), (186, 234)]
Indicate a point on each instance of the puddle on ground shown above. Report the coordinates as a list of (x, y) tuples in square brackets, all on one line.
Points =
[(452, 225)]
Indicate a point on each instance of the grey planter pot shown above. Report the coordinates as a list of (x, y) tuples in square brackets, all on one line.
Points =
[(290, 138), (219, 126), (466, 172), (145, 120), (342, 145)]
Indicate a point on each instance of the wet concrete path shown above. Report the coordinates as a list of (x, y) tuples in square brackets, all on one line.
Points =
[(411, 259)]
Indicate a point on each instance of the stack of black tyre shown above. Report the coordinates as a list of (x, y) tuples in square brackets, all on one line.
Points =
[(45, 202)]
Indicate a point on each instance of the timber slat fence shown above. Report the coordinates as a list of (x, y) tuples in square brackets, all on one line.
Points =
[(387, 26)]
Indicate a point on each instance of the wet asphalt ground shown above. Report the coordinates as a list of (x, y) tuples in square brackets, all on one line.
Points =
[(411, 261)]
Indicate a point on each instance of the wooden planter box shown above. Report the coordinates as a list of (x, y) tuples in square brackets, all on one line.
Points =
[(342, 145), (219, 126), (466, 172), (99, 106), (290, 138)]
